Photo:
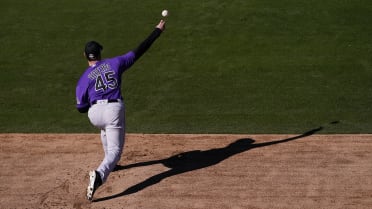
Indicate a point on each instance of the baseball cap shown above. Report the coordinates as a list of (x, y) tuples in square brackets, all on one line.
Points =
[(93, 50)]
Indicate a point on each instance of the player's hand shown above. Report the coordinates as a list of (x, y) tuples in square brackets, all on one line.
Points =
[(161, 25)]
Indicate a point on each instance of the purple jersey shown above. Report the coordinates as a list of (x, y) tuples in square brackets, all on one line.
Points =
[(103, 80)]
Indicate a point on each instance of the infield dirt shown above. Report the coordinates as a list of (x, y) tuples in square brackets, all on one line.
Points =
[(189, 171)]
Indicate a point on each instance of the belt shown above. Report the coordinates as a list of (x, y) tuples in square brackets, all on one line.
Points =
[(105, 101)]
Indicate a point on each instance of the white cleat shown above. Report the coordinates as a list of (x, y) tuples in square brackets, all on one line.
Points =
[(94, 182)]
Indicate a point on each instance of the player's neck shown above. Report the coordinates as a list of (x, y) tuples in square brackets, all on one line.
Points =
[(91, 63)]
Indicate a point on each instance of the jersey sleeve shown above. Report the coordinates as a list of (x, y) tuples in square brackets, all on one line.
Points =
[(125, 60), (82, 98), (128, 59)]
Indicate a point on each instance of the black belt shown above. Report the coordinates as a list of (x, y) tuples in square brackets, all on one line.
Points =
[(108, 101)]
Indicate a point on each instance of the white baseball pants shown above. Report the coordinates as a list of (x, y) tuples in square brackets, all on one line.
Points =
[(110, 118)]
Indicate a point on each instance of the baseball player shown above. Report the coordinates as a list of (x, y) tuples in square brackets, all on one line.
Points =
[(98, 92)]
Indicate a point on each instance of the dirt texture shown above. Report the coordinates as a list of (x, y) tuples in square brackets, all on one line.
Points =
[(163, 171)]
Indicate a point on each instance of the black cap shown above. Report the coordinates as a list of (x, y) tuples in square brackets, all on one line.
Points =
[(93, 50)]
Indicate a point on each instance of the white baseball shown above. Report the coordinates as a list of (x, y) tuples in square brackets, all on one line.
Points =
[(164, 13)]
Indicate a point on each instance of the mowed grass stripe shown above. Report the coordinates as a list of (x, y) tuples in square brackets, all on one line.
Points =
[(220, 67)]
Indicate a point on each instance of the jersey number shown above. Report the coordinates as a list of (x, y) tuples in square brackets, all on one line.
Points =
[(108, 81)]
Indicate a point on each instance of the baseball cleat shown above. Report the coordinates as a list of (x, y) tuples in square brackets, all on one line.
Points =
[(94, 182)]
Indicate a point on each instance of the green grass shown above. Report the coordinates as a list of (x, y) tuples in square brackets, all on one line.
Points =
[(220, 67)]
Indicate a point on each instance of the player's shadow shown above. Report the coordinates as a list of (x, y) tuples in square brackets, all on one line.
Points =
[(194, 160)]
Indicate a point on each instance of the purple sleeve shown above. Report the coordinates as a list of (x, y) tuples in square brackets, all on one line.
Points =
[(126, 60), (82, 98)]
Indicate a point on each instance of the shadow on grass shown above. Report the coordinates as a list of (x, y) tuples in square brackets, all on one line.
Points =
[(194, 160)]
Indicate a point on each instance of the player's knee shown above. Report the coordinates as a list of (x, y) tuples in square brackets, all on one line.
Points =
[(115, 153)]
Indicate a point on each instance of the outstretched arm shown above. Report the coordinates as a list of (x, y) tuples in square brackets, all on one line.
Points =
[(145, 45)]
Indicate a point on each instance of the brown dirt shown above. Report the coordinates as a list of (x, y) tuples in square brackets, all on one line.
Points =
[(189, 171)]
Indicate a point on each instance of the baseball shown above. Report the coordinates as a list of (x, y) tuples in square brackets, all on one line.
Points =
[(164, 13)]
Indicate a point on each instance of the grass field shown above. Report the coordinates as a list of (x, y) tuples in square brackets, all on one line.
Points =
[(220, 67)]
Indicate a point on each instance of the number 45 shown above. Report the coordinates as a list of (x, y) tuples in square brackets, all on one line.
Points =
[(108, 81)]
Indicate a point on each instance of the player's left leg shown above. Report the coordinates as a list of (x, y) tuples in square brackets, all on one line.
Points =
[(115, 143), (104, 140), (115, 133), (111, 119)]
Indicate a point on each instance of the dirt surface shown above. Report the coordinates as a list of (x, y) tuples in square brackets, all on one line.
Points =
[(189, 171)]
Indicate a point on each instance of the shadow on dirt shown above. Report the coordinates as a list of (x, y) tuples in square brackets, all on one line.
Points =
[(194, 160)]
